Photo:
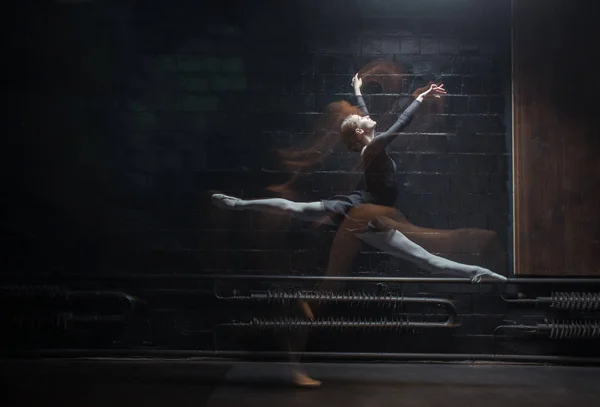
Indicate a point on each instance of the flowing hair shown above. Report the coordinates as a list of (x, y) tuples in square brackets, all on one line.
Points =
[(304, 158)]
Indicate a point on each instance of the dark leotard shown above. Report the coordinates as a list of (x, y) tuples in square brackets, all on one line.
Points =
[(379, 168)]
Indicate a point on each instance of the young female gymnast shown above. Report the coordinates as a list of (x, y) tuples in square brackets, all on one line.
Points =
[(358, 133)]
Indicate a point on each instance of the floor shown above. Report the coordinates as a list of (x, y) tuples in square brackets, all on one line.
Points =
[(178, 383)]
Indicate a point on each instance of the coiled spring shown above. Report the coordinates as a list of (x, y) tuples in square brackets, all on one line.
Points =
[(342, 323), (558, 329), (356, 297), (573, 329), (575, 301), (332, 323), (564, 301), (349, 297), (352, 298)]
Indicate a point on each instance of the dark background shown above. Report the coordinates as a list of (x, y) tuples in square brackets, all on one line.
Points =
[(132, 113), (135, 112)]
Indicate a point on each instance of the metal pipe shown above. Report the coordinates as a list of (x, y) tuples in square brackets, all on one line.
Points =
[(354, 356), (446, 280), (443, 280), (131, 301), (55, 295)]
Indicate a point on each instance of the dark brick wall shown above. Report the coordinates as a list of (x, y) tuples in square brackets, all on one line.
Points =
[(136, 111), (210, 102)]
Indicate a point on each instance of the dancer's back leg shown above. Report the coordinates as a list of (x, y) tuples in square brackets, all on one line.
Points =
[(398, 245), (461, 240), (385, 236)]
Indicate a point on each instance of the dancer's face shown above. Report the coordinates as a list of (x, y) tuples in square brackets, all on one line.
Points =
[(365, 123)]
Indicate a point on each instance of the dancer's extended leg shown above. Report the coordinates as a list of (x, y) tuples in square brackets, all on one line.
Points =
[(307, 211), (398, 245)]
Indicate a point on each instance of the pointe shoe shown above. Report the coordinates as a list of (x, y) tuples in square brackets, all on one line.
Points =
[(226, 201), (303, 380), (485, 274)]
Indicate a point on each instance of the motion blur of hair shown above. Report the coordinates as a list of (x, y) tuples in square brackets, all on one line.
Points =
[(328, 132)]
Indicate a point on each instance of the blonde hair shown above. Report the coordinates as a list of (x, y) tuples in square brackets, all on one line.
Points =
[(348, 133)]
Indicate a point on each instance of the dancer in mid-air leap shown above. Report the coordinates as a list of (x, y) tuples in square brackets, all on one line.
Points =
[(358, 133)]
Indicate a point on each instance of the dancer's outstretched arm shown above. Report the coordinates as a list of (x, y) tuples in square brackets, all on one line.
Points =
[(357, 84), (383, 139)]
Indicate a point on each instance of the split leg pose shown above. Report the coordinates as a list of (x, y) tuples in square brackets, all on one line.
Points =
[(358, 133)]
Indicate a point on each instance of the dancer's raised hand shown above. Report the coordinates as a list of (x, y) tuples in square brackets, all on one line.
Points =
[(434, 91), (356, 82)]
